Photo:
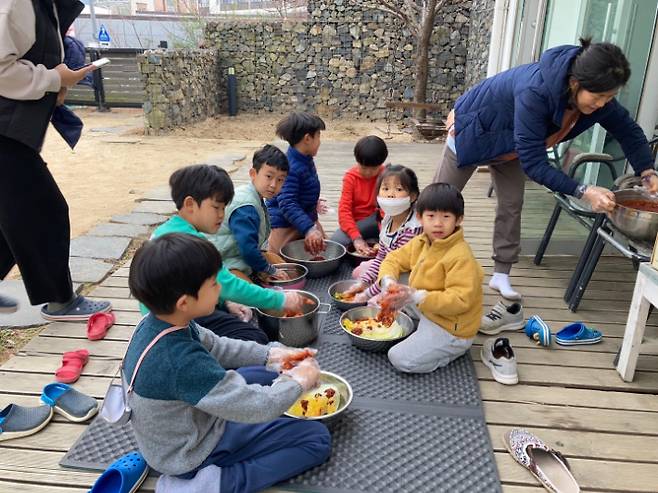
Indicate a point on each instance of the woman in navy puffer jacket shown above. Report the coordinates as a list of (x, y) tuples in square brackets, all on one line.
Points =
[(509, 120)]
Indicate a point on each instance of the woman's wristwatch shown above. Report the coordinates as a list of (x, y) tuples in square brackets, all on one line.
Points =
[(580, 191)]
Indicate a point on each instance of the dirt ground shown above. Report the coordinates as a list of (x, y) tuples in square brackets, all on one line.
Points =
[(114, 163)]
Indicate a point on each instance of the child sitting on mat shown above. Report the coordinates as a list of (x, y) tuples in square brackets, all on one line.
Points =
[(242, 238), (196, 402), (294, 212), (358, 216), (201, 193), (445, 281), (397, 193)]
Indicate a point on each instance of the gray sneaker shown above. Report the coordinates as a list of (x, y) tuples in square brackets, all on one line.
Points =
[(19, 421), (498, 355), (7, 304), (502, 317)]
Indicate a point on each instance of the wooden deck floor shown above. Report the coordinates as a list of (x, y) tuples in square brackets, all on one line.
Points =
[(572, 398)]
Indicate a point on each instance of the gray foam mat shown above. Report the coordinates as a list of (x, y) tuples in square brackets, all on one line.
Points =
[(385, 451), (371, 375), (402, 433)]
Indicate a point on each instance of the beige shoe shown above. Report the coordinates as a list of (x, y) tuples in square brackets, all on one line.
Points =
[(546, 464)]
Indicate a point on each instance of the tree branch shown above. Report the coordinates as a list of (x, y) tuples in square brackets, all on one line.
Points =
[(439, 5), (397, 11)]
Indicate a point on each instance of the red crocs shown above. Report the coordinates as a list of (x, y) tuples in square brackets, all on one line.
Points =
[(98, 325), (72, 364)]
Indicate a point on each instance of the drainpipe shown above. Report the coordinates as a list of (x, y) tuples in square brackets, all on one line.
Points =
[(497, 36)]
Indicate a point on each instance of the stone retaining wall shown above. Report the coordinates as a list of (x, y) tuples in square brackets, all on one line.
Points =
[(182, 86), (345, 60), (479, 38)]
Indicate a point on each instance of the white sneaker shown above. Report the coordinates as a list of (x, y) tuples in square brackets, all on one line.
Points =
[(498, 355), (502, 317)]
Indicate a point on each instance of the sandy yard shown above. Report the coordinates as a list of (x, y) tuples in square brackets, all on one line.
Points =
[(114, 163)]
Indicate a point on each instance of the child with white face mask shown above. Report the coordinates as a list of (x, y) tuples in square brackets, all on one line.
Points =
[(398, 190)]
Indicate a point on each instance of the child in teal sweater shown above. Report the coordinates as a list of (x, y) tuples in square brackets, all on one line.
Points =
[(201, 193)]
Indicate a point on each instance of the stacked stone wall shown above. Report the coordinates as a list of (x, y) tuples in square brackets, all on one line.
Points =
[(182, 87), (479, 38), (344, 60)]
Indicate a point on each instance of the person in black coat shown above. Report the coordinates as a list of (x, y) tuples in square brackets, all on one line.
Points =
[(34, 219)]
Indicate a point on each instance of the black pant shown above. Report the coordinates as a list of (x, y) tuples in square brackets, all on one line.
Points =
[(226, 325), (34, 224)]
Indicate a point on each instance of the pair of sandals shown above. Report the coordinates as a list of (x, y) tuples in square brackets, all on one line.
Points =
[(21, 421), (571, 335), (74, 361), (546, 464)]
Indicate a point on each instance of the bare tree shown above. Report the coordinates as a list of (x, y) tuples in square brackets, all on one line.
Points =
[(418, 16), (287, 7)]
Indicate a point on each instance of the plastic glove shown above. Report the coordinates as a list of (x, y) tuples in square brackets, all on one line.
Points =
[(650, 181), (356, 288), (601, 199), (281, 275), (293, 301), (314, 241), (306, 374), (362, 248), (398, 295), (361, 297), (243, 312), (282, 358)]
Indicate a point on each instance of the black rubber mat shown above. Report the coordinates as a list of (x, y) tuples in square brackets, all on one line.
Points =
[(402, 433)]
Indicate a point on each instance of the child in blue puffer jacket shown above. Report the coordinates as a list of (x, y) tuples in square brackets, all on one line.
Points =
[(294, 212)]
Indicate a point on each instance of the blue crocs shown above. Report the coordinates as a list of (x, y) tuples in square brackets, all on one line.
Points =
[(65, 400), (125, 475), (537, 330), (577, 333)]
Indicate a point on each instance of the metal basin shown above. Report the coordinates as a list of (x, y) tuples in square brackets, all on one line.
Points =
[(339, 287), (371, 344), (293, 331), (346, 394), (355, 258), (333, 253), (297, 274), (637, 225)]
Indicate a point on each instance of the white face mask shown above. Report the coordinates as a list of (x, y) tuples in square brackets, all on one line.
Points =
[(395, 206)]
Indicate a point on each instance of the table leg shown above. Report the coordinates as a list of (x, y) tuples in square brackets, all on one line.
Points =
[(634, 332)]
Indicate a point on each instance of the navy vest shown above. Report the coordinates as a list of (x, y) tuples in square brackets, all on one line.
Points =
[(27, 121)]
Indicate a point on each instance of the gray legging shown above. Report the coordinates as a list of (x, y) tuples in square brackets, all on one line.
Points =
[(368, 228), (509, 182)]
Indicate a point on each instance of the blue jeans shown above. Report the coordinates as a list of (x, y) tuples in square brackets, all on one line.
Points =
[(254, 457)]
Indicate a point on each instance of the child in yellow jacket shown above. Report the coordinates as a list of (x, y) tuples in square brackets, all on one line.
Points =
[(446, 280)]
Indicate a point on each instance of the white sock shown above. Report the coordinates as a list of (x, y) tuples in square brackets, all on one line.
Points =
[(500, 282)]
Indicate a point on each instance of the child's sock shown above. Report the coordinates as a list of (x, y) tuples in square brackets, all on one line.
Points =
[(500, 282)]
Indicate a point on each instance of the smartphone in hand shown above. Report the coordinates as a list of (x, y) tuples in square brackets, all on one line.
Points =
[(101, 62)]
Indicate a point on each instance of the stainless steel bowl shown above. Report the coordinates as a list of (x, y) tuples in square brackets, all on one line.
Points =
[(371, 344), (293, 331), (339, 287), (346, 395), (333, 253), (297, 274), (637, 225)]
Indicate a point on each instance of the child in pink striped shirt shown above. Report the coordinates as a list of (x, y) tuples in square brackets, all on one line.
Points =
[(398, 190)]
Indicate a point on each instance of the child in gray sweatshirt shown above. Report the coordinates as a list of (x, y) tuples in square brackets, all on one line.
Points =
[(200, 399)]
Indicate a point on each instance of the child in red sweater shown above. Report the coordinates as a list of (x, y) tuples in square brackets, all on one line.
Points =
[(357, 210)]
